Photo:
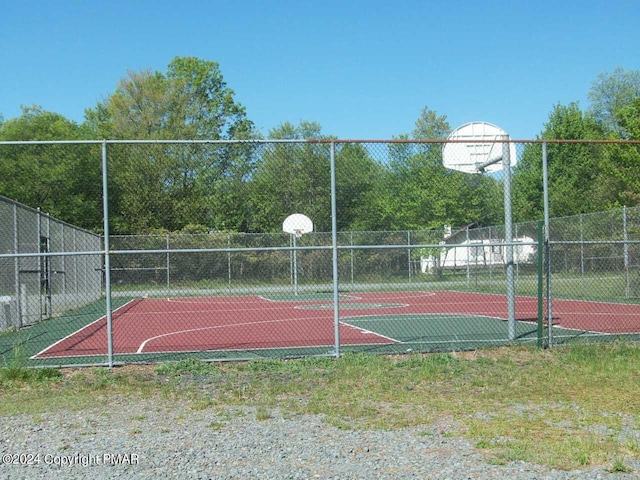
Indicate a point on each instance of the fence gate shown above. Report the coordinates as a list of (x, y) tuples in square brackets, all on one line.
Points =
[(34, 279)]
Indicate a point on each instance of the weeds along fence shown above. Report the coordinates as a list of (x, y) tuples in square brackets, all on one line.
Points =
[(189, 287)]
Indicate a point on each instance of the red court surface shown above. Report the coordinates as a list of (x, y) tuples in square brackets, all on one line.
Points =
[(158, 325)]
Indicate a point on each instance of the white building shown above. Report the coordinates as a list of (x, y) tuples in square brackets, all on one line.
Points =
[(480, 253)]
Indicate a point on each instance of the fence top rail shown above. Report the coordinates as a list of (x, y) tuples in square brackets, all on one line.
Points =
[(594, 242), (316, 141)]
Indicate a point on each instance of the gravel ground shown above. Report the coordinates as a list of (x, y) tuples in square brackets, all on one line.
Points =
[(147, 440)]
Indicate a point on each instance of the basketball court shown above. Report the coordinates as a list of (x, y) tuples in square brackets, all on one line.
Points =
[(73, 300), (302, 324)]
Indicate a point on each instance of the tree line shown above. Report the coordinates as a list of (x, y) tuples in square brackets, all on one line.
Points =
[(252, 187)]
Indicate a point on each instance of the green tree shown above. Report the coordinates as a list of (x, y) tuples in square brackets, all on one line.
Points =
[(191, 101), (63, 180), (422, 193), (359, 183), (296, 178), (628, 117), (576, 180), (431, 126), (611, 92), (292, 178), (168, 186), (620, 162)]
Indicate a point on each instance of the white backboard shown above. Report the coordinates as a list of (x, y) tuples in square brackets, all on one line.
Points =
[(297, 224), (477, 146)]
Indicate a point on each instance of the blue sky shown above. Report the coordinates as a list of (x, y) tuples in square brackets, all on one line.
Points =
[(362, 69)]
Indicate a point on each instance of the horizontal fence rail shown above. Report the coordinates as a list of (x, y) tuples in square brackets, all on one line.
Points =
[(190, 286)]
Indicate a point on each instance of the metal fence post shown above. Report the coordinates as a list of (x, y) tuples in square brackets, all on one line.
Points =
[(547, 245), (540, 285), (626, 251), (334, 245), (39, 259), (511, 295), (469, 250), (351, 256), (107, 259), (582, 289), (168, 266), (229, 271), (409, 252), (20, 306)]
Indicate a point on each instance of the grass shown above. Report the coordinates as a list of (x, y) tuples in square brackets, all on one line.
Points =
[(567, 408)]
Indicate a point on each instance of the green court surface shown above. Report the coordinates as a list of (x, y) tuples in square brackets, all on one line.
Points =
[(18, 346), (443, 328), (398, 333)]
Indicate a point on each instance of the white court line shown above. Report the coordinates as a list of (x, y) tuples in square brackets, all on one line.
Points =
[(352, 306), (213, 327), (423, 314), (161, 352), (78, 331), (422, 293), (370, 332), (213, 300), (212, 308), (290, 300)]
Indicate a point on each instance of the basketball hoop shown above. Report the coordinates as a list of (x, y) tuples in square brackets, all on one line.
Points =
[(472, 148), (296, 225), (479, 147)]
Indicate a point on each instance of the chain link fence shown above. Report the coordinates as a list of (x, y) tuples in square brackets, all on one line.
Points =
[(52, 268), (177, 282)]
